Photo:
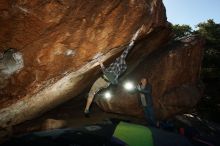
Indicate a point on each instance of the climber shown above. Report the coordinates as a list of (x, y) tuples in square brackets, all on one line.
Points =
[(145, 90), (110, 74)]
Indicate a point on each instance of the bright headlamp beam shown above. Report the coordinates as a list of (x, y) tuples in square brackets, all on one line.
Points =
[(107, 95), (129, 86)]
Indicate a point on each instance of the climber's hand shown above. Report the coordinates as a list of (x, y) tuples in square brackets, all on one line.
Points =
[(101, 63), (138, 87)]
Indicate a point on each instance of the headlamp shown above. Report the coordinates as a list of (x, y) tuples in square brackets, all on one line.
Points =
[(107, 95), (129, 86)]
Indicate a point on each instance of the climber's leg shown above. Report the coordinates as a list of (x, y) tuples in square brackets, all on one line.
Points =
[(99, 84), (149, 115)]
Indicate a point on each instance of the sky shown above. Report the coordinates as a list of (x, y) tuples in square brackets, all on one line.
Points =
[(192, 12)]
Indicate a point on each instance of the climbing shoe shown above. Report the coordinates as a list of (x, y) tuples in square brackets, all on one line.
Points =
[(87, 113)]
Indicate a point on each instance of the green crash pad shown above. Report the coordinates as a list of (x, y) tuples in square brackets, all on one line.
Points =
[(133, 135)]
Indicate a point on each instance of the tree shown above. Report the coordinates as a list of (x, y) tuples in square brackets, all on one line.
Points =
[(210, 31), (181, 30)]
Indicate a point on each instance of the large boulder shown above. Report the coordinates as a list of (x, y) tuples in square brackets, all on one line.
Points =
[(57, 43), (173, 71)]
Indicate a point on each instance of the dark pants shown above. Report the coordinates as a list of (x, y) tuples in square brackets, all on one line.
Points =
[(149, 115)]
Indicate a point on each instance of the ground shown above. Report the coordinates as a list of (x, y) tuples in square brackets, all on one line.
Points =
[(71, 114)]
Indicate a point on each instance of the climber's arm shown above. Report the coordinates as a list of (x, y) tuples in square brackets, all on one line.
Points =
[(144, 91), (133, 39), (102, 65), (147, 90)]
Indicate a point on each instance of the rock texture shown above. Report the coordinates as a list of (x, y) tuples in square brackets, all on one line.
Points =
[(173, 71), (60, 41)]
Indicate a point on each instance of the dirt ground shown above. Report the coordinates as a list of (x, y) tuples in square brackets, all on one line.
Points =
[(69, 115)]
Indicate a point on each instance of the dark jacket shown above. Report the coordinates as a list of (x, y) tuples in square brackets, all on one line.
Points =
[(147, 91)]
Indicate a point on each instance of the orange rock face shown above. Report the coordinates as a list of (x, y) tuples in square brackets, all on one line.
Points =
[(58, 37), (60, 41), (57, 43)]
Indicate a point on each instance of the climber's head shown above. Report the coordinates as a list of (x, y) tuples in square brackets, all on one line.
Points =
[(144, 81)]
